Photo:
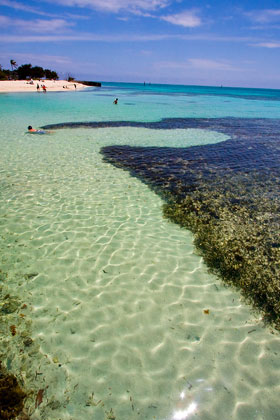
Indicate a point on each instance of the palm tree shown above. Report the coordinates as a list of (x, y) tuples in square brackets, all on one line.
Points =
[(13, 64)]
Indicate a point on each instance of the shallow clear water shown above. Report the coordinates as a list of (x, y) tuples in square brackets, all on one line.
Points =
[(126, 322)]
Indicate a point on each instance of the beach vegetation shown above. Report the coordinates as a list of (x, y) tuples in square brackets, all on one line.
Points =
[(3, 75), (27, 71), (24, 71), (13, 65), (36, 72), (69, 77), (51, 74)]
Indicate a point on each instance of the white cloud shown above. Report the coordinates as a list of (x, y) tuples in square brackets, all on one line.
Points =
[(188, 19), (4, 21), (37, 25), (80, 37), (46, 59), (53, 25), (146, 53), (264, 16), (200, 64), (203, 63), (25, 8), (40, 59), (123, 19), (267, 44), (94, 37), (76, 17), (18, 6), (116, 6)]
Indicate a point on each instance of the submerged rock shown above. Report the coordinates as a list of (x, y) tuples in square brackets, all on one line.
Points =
[(9, 306)]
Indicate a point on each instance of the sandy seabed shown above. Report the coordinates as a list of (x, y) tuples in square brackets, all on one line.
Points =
[(25, 86)]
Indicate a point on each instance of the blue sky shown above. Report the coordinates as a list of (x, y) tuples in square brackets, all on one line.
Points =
[(219, 42)]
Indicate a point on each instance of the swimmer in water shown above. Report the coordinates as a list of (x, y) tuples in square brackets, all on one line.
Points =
[(33, 130)]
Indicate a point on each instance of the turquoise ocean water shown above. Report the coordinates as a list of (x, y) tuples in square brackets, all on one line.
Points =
[(115, 314)]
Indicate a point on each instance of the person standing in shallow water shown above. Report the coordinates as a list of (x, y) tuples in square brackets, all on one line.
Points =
[(116, 101)]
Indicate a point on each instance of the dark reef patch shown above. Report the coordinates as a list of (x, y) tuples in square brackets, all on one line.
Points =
[(227, 194), (11, 396)]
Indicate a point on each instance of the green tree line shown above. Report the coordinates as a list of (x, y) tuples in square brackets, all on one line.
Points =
[(26, 71)]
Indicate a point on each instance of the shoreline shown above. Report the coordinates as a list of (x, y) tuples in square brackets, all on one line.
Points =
[(14, 86)]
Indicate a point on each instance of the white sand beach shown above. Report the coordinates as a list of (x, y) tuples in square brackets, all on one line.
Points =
[(51, 85)]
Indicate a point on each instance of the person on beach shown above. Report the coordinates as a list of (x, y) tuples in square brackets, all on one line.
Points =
[(38, 87), (44, 88), (115, 101)]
